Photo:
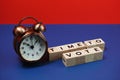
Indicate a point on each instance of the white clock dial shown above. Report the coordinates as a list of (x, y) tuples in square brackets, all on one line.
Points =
[(32, 48)]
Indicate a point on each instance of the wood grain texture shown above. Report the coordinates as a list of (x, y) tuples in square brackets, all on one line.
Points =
[(82, 56), (73, 58)]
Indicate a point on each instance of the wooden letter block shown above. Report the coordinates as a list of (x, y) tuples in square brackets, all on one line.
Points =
[(89, 56), (68, 59), (99, 42), (98, 53), (56, 52), (82, 56), (94, 43), (80, 45), (73, 58), (95, 53)]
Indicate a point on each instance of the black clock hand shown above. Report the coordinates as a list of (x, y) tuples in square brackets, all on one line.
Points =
[(26, 44), (36, 41), (31, 38)]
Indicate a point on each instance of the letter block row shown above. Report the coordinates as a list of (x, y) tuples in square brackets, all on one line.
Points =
[(82, 56), (95, 42), (56, 52)]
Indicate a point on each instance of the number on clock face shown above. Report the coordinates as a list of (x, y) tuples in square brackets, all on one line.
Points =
[(32, 48)]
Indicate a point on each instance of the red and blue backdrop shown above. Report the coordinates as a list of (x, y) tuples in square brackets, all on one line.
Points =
[(67, 21)]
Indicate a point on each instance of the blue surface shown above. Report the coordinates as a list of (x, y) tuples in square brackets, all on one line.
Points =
[(106, 69)]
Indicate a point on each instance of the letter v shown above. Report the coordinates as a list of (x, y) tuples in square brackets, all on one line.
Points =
[(68, 54)]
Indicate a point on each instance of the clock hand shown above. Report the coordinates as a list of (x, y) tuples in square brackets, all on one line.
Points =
[(26, 44), (31, 38), (36, 41)]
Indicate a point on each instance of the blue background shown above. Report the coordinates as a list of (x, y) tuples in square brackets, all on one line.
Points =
[(106, 69)]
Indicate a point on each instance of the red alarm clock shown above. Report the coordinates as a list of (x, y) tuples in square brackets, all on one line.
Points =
[(30, 43)]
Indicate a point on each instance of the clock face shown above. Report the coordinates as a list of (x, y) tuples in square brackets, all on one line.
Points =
[(32, 48)]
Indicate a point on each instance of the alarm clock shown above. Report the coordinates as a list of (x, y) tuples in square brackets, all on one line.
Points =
[(29, 42)]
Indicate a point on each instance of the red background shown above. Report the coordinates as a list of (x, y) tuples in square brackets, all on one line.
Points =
[(61, 11)]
